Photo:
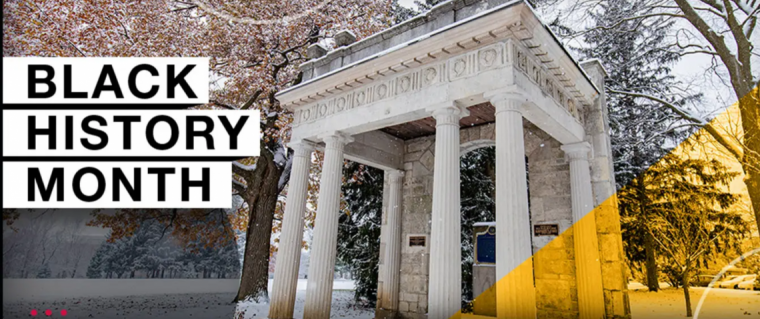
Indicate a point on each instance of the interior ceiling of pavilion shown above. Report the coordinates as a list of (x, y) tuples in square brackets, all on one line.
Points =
[(480, 114)]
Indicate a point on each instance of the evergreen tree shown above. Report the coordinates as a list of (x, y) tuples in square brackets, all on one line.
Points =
[(642, 131), (359, 230), (690, 217), (477, 169), (154, 251), (94, 270), (44, 272)]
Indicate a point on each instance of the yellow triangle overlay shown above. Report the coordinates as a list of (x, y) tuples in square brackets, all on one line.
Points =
[(553, 266)]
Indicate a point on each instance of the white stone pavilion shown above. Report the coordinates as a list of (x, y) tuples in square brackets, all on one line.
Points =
[(411, 100)]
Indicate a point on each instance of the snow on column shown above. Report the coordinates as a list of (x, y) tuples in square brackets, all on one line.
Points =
[(323, 247), (515, 290), (445, 287), (289, 252), (392, 258), (588, 269)]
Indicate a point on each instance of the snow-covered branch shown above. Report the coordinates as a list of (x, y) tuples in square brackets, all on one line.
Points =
[(686, 115)]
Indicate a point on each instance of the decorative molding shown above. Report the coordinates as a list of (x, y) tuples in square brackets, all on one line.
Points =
[(490, 57)]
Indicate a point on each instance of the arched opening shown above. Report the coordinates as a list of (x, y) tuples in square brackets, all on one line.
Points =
[(478, 210)]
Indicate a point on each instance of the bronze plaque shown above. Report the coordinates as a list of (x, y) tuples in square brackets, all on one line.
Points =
[(418, 241), (546, 230)]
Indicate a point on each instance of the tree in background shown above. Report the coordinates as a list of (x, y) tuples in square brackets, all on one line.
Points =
[(153, 252), (254, 47), (690, 214), (359, 228), (719, 29), (642, 131), (477, 187)]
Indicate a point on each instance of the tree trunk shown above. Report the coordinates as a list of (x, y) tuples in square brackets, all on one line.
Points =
[(750, 112), (653, 280), (261, 197), (686, 295)]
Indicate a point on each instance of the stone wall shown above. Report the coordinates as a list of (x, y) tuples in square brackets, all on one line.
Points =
[(418, 203), (553, 256)]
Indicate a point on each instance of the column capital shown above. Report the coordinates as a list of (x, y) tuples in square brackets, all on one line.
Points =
[(449, 113), (506, 100), (577, 151), (336, 138), (302, 147), (395, 176)]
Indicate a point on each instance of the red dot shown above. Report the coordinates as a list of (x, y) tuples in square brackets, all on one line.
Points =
[(48, 312), (64, 312), (34, 312)]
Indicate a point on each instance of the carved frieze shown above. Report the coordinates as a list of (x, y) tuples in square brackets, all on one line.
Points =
[(490, 57)]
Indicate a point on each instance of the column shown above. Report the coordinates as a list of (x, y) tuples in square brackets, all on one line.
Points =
[(289, 253), (445, 286), (515, 291), (324, 245), (588, 272), (392, 257)]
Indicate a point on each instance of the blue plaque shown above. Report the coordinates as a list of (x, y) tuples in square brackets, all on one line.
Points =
[(485, 247)]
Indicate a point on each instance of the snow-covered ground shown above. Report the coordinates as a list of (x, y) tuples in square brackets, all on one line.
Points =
[(719, 303), (144, 298)]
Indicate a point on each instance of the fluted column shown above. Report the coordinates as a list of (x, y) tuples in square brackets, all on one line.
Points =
[(392, 257), (445, 287), (324, 244), (289, 253), (515, 291), (587, 266)]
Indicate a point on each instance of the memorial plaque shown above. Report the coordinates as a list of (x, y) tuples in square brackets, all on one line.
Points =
[(546, 230), (485, 246), (416, 241)]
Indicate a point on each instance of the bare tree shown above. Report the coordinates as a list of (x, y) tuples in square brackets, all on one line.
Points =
[(722, 30)]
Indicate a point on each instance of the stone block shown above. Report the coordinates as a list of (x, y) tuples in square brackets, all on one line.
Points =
[(418, 144), (464, 136), (556, 295), (609, 244), (412, 157), (316, 51), (487, 132), (344, 38), (607, 219), (613, 276), (403, 306), (420, 170), (408, 297), (428, 160)]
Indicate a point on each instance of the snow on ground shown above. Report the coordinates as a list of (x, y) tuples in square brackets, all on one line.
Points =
[(720, 303), (146, 298), (342, 307)]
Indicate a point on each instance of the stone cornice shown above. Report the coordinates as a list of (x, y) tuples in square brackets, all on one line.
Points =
[(517, 22), (458, 67)]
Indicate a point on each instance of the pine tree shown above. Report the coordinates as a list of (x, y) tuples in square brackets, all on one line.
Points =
[(44, 272), (690, 214), (94, 270), (359, 228), (642, 131)]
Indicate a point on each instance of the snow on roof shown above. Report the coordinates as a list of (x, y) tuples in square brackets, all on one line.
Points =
[(431, 34), (402, 45)]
